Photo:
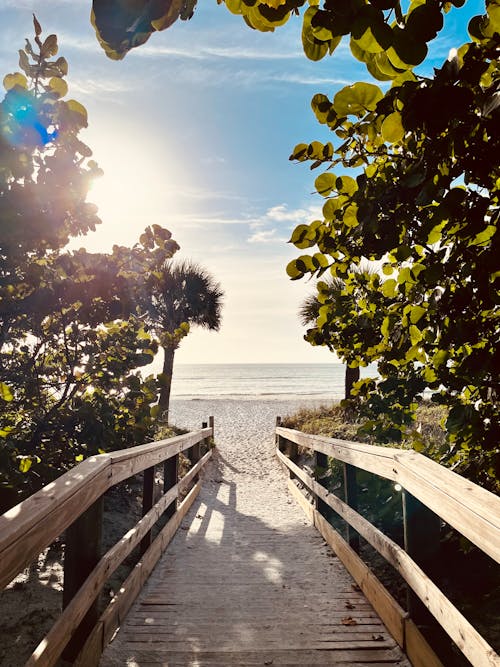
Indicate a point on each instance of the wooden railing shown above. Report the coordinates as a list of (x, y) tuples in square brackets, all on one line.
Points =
[(73, 503), (429, 491)]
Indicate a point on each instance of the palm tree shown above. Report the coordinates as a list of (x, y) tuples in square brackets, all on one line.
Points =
[(186, 294), (309, 313)]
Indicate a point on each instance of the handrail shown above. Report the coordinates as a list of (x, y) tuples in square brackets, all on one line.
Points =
[(473, 511), (468, 508), (33, 524)]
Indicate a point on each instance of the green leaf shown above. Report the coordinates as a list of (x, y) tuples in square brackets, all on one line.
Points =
[(79, 458), (10, 81), (293, 271), (435, 233), (58, 86), (389, 288), (416, 313), (5, 392), (313, 48), (357, 99), (155, 411), (392, 128), (346, 185), (325, 183), (415, 334), (77, 108), (484, 237), (25, 464)]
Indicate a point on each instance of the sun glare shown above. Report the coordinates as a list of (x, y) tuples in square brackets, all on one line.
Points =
[(130, 195)]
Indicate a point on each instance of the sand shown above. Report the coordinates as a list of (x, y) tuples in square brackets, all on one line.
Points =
[(245, 442)]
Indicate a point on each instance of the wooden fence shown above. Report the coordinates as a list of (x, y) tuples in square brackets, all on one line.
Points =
[(73, 503), (430, 493)]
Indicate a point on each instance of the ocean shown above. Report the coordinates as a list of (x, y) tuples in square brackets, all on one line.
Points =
[(261, 380)]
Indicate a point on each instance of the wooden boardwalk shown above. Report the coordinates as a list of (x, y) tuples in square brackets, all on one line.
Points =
[(248, 581)]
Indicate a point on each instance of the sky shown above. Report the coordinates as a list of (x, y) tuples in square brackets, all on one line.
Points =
[(193, 131)]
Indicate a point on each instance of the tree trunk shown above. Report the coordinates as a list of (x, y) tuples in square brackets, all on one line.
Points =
[(168, 367), (351, 376)]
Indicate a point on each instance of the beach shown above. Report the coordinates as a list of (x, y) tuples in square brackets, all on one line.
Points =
[(244, 436)]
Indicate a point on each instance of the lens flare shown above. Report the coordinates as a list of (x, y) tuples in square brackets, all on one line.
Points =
[(25, 122)]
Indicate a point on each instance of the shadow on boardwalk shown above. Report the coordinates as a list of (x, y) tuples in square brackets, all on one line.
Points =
[(247, 581)]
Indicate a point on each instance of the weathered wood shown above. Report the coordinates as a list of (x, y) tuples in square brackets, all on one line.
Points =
[(27, 528), (321, 465), (116, 611), (417, 647), (351, 498), (52, 645), (81, 555), (148, 484), (465, 636), (471, 510), (302, 500), (384, 604), (170, 477), (128, 462)]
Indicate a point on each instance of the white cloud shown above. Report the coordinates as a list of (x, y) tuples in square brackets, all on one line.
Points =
[(265, 226), (310, 80), (215, 52), (298, 215), (98, 87), (264, 236)]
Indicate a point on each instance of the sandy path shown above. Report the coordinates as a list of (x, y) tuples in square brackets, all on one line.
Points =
[(247, 580)]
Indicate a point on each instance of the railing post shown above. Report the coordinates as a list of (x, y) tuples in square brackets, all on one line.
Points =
[(211, 424), (280, 440), (320, 465), (287, 447), (81, 555), (170, 477), (351, 498), (148, 483), (421, 537)]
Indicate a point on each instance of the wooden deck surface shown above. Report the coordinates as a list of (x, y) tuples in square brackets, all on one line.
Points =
[(247, 581)]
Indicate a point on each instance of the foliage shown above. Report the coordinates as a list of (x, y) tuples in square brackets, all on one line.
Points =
[(182, 294), (426, 204), (388, 39), (424, 201), (317, 310), (71, 341)]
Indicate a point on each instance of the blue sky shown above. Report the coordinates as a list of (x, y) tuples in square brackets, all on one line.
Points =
[(193, 131)]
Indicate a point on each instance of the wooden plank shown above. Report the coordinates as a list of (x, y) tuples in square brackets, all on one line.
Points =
[(116, 611), (93, 646), (384, 604), (52, 645), (302, 500), (33, 524), (379, 460), (255, 656), (148, 484), (81, 555), (128, 462), (471, 510), (465, 636), (417, 648), (30, 526)]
